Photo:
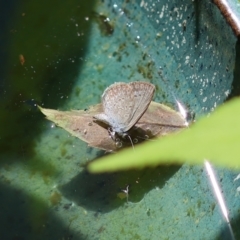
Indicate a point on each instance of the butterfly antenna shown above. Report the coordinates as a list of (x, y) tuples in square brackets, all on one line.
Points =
[(131, 141)]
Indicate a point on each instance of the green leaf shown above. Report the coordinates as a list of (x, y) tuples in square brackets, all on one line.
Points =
[(215, 138)]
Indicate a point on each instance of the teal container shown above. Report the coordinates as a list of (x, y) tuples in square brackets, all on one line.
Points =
[(62, 55)]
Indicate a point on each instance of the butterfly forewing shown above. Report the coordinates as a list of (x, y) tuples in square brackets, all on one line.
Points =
[(124, 104), (118, 102)]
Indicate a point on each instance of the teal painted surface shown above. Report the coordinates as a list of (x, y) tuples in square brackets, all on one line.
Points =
[(71, 55)]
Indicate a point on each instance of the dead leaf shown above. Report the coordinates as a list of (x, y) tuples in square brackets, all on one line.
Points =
[(158, 120)]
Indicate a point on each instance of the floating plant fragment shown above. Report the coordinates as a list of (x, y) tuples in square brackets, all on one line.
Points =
[(105, 25), (158, 120)]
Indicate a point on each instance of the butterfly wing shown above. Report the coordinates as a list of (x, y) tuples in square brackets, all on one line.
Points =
[(143, 94), (124, 104), (118, 102)]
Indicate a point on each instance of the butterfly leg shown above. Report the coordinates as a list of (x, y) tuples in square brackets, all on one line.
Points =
[(114, 137)]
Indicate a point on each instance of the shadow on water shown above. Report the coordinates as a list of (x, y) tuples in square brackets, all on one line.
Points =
[(25, 217), (236, 74), (100, 192), (40, 63), (228, 233), (43, 55)]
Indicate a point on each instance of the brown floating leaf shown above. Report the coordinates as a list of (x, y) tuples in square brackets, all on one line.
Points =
[(157, 121), (81, 125), (161, 120)]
